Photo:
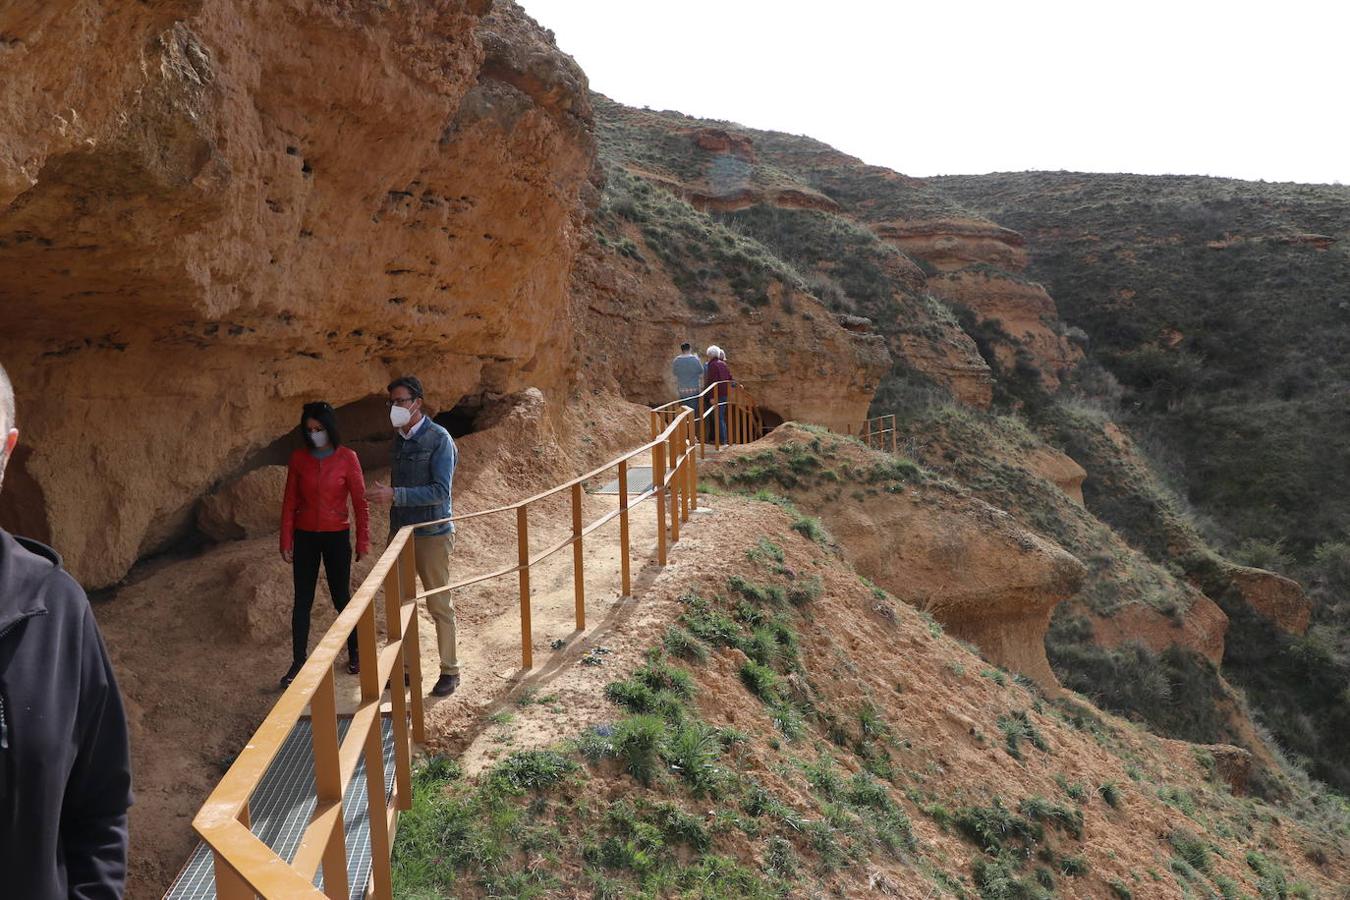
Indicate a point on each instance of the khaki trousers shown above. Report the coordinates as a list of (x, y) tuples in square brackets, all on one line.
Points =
[(433, 568)]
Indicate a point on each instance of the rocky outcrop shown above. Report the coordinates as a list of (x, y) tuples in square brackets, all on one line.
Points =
[(721, 141), (950, 244), (1022, 313), (1058, 469), (236, 210), (1277, 598), (1231, 764), (801, 364), (952, 362), (987, 579), (1201, 627), (248, 507)]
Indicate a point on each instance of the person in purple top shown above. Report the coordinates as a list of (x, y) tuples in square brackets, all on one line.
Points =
[(718, 371)]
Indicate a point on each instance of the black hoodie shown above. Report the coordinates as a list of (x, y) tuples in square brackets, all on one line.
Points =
[(65, 769)]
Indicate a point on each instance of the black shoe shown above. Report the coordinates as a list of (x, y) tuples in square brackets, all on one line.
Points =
[(445, 686), (293, 671), (353, 664)]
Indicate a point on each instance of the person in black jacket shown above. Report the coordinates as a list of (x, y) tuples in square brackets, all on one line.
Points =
[(65, 767)]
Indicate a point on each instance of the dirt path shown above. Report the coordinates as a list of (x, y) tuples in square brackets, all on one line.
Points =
[(488, 615)]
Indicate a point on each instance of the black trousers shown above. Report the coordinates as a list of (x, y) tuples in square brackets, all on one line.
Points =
[(334, 548)]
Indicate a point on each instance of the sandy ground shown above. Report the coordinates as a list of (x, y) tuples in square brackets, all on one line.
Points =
[(488, 618)]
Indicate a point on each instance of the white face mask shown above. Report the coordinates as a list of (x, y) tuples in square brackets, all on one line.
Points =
[(399, 416), (319, 439)]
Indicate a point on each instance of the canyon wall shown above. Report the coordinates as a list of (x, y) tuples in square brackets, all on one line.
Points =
[(212, 213)]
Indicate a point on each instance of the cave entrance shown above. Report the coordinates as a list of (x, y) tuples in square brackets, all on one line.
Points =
[(770, 418), (464, 418), (362, 423)]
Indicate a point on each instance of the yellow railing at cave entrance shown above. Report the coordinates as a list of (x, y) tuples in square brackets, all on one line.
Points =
[(245, 866)]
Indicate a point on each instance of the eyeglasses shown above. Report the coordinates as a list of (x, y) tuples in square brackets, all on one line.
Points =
[(400, 401)]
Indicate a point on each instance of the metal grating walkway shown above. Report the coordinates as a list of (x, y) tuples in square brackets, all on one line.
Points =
[(639, 481), (282, 805)]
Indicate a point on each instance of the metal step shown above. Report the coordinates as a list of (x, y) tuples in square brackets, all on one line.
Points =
[(281, 808)]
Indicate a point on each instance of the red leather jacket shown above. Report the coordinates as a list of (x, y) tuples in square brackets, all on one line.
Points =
[(316, 496)]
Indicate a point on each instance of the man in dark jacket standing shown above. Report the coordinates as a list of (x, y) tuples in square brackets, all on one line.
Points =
[(65, 768)]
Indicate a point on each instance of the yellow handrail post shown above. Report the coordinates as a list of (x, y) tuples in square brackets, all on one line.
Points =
[(674, 489), (381, 852), (736, 416), (682, 441), (328, 783), (895, 437), (655, 424), (693, 467), (376, 803), (229, 884), (624, 553), (716, 399), (578, 560), (658, 487), (700, 430), (412, 644), (398, 692), (523, 560)]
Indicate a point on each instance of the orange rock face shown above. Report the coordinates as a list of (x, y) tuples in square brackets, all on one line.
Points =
[(1279, 599), (799, 365), (1202, 628), (951, 244), (1023, 310), (718, 140), (238, 209), (1059, 469), (953, 362), (983, 576)]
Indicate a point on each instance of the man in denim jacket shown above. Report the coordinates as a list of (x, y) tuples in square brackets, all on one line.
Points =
[(423, 470)]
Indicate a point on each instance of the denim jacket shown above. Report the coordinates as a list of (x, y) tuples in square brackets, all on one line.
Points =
[(424, 468)]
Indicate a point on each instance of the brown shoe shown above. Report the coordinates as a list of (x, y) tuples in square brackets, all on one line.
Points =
[(445, 686)]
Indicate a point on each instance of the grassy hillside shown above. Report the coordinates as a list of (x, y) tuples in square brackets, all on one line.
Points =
[(1224, 321), (793, 731), (1220, 313)]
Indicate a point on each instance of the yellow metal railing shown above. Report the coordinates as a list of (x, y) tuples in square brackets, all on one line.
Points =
[(244, 865), (744, 423), (879, 433)]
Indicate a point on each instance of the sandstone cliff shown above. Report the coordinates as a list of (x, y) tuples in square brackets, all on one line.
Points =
[(212, 213)]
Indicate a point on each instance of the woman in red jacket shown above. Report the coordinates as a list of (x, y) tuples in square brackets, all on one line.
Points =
[(314, 526)]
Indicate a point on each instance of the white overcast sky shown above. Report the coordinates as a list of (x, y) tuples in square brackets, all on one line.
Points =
[(1237, 89)]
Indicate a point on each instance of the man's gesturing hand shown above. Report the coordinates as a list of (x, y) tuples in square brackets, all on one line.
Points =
[(378, 492)]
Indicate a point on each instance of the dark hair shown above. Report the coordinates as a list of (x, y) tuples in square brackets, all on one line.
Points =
[(322, 413), (410, 382), (685, 346)]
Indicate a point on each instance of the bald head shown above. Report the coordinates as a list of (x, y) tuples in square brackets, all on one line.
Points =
[(7, 422), (9, 436)]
